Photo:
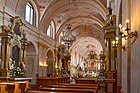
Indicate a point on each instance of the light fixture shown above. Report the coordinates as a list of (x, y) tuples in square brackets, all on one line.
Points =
[(115, 42), (43, 65), (126, 34), (68, 38)]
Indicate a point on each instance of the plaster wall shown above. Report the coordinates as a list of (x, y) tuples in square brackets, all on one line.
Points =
[(135, 49), (131, 11)]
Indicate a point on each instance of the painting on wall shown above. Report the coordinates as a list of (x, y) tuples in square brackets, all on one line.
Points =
[(17, 29), (15, 54)]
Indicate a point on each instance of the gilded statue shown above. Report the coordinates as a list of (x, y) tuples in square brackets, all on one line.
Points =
[(108, 17)]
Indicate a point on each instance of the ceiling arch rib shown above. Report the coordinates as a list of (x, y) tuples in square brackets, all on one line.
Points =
[(89, 14), (86, 40), (51, 13), (96, 33), (80, 26), (62, 3), (86, 44), (77, 21)]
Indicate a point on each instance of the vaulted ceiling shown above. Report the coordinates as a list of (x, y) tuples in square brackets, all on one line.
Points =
[(87, 17)]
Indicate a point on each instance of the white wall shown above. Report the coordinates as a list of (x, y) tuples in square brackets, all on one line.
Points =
[(131, 10), (135, 58)]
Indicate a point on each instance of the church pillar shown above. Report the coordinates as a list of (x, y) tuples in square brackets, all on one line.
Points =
[(119, 65), (111, 47), (5, 51), (110, 73)]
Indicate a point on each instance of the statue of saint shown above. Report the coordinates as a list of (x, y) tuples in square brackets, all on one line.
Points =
[(108, 20)]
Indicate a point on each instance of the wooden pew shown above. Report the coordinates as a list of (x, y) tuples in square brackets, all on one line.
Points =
[(86, 81), (72, 90), (68, 84), (67, 89), (48, 81), (61, 87), (38, 91), (77, 87)]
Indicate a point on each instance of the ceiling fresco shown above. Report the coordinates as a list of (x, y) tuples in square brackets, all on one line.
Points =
[(87, 17)]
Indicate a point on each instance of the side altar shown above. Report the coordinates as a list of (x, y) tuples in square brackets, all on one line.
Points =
[(13, 44)]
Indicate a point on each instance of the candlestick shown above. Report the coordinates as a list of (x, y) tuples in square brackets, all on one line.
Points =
[(127, 21)]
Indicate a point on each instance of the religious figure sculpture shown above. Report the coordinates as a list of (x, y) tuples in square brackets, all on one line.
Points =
[(108, 17)]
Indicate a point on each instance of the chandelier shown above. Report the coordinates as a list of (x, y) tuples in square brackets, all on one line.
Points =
[(68, 38)]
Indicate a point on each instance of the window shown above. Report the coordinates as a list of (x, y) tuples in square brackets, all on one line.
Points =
[(30, 14), (49, 30), (61, 34)]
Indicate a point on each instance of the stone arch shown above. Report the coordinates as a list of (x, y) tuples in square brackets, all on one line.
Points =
[(50, 62), (53, 11), (31, 61), (49, 49)]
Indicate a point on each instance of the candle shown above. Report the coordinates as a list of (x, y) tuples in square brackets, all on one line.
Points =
[(113, 43), (117, 38), (127, 21)]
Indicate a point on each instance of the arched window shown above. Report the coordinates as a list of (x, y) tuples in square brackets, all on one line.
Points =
[(51, 30), (61, 34), (30, 14)]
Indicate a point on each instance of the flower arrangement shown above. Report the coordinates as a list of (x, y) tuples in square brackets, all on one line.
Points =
[(17, 70)]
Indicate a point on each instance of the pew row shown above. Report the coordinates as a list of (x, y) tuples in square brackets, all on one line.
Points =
[(69, 84), (72, 90), (67, 88), (38, 91), (48, 81), (86, 81), (75, 87)]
